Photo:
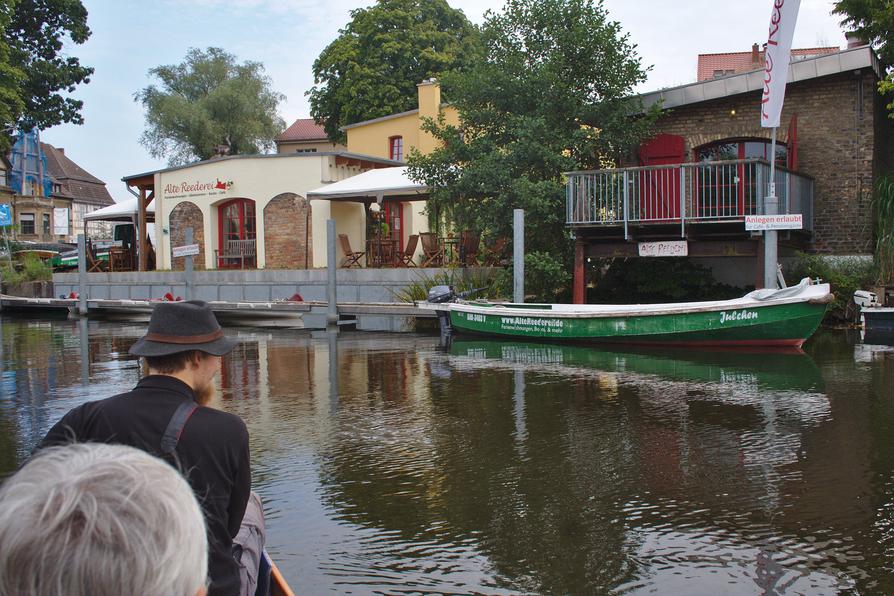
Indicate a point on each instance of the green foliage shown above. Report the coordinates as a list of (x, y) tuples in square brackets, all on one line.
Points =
[(872, 21), (547, 278), (206, 102), (650, 281), (461, 280), (552, 94), (34, 67), (374, 65), (883, 204), (30, 268), (845, 275)]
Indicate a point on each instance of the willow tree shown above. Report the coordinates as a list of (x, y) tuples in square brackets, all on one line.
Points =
[(552, 93), (209, 104)]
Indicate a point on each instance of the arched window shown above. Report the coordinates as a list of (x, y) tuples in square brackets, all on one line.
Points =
[(237, 234), (396, 148)]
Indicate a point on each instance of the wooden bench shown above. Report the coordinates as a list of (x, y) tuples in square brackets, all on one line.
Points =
[(241, 250)]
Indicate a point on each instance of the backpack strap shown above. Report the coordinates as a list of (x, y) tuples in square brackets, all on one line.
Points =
[(175, 427)]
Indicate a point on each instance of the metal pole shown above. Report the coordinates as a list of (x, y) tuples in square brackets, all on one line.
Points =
[(331, 290), (518, 255), (187, 266), (770, 246), (82, 275)]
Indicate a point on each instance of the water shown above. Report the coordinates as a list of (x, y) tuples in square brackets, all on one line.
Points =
[(511, 468)]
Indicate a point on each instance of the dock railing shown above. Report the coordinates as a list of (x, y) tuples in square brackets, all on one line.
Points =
[(715, 191)]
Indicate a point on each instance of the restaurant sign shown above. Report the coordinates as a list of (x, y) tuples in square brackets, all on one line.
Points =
[(194, 189), (669, 248)]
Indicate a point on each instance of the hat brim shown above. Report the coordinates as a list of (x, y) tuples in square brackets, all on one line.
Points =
[(145, 347)]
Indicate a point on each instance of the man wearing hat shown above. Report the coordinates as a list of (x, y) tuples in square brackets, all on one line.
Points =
[(165, 415)]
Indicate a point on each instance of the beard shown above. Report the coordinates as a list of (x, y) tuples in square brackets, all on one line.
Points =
[(205, 394)]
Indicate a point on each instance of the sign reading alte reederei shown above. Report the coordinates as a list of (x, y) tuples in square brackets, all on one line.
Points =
[(196, 189)]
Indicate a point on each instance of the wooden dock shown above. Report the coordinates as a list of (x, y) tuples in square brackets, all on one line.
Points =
[(307, 315)]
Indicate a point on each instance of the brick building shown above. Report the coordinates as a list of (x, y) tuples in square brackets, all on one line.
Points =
[(250, 211), (708, 167)]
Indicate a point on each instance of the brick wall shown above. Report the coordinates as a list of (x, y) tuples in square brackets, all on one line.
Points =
[(183, 216), (836, 146), (287, 233)]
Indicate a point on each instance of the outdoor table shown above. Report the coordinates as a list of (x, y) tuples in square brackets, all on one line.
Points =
[(452, 247), (381, 252)]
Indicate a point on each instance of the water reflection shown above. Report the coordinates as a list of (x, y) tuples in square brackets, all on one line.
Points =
[(388, 465)]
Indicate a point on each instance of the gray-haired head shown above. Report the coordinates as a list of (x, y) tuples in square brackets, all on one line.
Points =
[(102, 520)]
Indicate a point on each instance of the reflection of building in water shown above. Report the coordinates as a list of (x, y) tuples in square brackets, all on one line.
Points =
[(239, 372)]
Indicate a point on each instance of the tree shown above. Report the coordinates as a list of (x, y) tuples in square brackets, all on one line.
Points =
[(374, 65), (552, 94), (873, 21), (11, 103), (35, 36), (209, 104)]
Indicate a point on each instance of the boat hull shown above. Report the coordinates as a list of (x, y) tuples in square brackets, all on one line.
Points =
[(788, 324)]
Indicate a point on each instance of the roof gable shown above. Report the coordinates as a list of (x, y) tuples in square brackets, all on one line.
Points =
[(303, 129)]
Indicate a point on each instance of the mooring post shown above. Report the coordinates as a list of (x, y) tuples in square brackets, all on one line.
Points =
[(187, 267), (331, 291), (518, 255), (82, 275)]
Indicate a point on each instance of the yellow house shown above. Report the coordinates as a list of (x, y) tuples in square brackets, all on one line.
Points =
[(392, 137)]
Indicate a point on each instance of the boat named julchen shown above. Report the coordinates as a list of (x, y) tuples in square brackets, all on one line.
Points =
[(785, 317)]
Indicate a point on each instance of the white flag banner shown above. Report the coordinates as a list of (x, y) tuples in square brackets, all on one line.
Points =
[(778, 56), (60, 221)]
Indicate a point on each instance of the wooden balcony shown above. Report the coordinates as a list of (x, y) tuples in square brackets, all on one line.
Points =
[(670, 198)]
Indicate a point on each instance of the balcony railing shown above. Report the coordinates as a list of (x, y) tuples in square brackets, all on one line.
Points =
[(719, 191)]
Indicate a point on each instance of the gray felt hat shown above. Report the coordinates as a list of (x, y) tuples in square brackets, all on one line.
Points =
[(180, 327)]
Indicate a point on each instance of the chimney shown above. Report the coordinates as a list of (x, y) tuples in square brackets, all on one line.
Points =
[(429, 107), (755, 55), (853, 39)]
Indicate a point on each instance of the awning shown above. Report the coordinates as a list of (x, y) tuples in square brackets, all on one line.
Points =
[(373, 184), (124, 211)]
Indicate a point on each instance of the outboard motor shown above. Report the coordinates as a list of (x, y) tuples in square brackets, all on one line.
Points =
[(441, 294)]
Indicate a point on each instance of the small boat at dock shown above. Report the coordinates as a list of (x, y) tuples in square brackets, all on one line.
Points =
[(785, 317)]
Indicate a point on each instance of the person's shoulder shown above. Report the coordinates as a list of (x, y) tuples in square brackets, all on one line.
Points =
[(220, 419)]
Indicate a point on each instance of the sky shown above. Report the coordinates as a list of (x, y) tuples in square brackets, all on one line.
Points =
[(130, 37)]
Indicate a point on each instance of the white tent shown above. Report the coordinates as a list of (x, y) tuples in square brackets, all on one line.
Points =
[(376, 184), (122, 211)]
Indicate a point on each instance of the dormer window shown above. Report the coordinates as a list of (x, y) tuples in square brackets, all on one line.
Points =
[(396, 148)]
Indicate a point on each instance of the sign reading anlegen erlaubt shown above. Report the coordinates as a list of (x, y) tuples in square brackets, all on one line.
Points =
[(790, 221)]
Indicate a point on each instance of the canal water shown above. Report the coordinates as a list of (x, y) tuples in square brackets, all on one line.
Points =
[(391, 466)]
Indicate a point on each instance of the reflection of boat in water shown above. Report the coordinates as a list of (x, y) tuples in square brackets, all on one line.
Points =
[(789, 369)]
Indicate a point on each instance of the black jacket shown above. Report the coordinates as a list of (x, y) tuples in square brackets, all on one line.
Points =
[(212, 453)]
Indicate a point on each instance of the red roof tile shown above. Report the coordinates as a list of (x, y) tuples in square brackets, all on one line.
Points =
[(736, 62), (303, 129)]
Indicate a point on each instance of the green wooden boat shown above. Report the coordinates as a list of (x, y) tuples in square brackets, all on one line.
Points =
[(785, 317)]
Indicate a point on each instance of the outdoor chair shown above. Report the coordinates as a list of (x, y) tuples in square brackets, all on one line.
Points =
[(94, 264), (352, 257), (470, 241), (432, 250), (495, 253), (405, 259)]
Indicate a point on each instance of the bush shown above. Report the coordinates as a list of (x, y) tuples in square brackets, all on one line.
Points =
[(462, 280), (845, 275), (883, 205), (29, 268)]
